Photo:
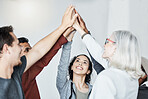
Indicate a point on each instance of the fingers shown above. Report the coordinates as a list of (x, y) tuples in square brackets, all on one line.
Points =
[(72, 12), (74, 18), (80, 18), (68, 9)]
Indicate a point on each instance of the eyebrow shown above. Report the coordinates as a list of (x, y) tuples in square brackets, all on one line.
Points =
[(83, 60)]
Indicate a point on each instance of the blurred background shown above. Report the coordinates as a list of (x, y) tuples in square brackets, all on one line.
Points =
[(35, 19)]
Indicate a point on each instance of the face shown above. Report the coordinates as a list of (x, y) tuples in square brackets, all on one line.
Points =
[(15, 51), (109, 48), (25, 48), (81, 65)]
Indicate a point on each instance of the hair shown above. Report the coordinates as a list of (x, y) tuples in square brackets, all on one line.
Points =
[(5, 36), (127, 55), (88, 76), (23, 40)]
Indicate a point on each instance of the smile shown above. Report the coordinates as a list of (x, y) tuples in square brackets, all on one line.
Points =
[(80, 68)]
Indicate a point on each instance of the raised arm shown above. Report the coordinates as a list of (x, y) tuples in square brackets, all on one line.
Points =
[(34, 70), (44, 45), (94, 48), (64, 64)]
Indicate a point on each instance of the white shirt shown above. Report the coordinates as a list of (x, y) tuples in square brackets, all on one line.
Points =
[(114, 83), (111, 83)]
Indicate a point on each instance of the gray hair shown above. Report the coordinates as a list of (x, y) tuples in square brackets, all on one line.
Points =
[(127, 55)]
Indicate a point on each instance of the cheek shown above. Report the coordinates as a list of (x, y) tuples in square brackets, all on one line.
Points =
[(109, 51), (86, 68), (72, 67)]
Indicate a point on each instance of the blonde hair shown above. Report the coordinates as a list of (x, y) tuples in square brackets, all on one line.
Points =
[(127, 55)]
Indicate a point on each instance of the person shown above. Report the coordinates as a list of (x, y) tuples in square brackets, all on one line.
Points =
[(121, 60), (25, 46), (12, 65), (143, 88), (79, 69), (29, 84)]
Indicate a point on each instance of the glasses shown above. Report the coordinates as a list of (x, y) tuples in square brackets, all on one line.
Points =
[(108, 40)]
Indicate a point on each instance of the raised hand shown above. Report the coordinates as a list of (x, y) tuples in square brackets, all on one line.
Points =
[(81, 22), (79, 25), (69, 17), (69, 33)]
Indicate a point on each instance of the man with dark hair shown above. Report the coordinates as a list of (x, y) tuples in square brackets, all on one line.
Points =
[(29, 77), (12, 65), (25, 45)]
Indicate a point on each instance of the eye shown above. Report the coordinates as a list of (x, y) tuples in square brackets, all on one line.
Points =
[(27, 50), (85, 62), (77, 60)]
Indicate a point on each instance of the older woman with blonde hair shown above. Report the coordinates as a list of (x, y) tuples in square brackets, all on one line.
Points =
[(122, 62)]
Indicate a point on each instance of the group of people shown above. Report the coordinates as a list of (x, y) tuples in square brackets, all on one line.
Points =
[(119, 68)]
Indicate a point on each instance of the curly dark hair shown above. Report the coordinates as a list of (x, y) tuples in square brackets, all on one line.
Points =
[(88, 76), (5, 36)]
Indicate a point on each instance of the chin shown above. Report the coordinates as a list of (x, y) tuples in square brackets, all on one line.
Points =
[(104, 56)]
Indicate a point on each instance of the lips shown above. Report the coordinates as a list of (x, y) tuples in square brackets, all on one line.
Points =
[(80, 68)]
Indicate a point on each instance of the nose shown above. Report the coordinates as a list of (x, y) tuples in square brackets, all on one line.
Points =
[(80, 63)]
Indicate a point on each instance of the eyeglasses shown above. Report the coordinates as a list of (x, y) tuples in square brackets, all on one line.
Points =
[(108, 40)]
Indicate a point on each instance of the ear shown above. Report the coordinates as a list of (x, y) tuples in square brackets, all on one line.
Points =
[(88, 72), (5, 49)]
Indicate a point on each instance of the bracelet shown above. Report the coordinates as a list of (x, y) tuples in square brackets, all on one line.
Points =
[(85, 34)]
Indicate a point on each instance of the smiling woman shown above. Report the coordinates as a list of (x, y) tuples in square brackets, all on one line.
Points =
[(80, 69)]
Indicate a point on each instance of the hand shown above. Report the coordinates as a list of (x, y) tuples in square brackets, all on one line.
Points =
[(69, 17), (79, 25), (81, 22), (69, 33), (70, 36)]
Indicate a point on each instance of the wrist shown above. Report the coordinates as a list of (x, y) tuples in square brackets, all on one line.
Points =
[(85, 34), (62, 27)]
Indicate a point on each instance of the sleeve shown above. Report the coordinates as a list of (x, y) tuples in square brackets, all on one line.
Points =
[(95, 49), (97, 66), (103, 88), (34, 70), (63, 66)]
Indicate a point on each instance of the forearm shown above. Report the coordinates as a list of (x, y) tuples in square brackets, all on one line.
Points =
[(43, 46), (50, 54), (63, 66), (94, 49)]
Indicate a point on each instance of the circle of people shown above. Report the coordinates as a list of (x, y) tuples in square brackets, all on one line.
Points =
[(121, 70)]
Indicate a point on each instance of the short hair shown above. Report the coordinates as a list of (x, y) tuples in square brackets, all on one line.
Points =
[(23, 40), (88, 76), (127, 55), (5, 36)]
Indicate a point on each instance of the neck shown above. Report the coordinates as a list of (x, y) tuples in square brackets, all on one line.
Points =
[(79, 80), (6, 69)]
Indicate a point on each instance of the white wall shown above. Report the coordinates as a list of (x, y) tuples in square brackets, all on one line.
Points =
[(34, 19)]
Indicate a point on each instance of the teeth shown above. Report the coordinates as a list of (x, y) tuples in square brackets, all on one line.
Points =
[(79, 67)]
